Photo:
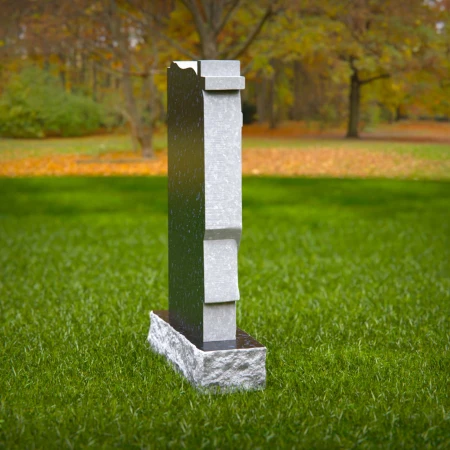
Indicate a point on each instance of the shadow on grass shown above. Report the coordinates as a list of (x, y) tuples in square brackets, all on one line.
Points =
[(83, 195), (369, 197), (71, 196)]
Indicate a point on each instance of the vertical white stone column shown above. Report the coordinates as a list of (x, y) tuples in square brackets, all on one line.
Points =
[(205, 197)]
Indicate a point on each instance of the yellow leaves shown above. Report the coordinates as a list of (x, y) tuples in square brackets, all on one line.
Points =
[(54, 59), (285, 94), (106, 165), (385, 59), (261, 63), (160, 81)]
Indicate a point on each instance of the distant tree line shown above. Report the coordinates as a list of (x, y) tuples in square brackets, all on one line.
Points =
[(70, 67)]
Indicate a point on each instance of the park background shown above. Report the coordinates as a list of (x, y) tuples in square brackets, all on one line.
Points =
[(344, 265)]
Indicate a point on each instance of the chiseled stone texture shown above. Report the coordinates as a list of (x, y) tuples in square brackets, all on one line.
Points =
[(217, 370)]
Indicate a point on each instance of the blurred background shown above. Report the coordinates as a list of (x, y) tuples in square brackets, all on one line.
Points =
[(323, 69)]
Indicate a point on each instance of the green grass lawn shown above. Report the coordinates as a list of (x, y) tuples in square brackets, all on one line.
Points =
[(95, 145), (90, 145), (346, 282)]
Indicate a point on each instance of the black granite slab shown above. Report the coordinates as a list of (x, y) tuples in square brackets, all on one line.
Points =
[(242, 341)]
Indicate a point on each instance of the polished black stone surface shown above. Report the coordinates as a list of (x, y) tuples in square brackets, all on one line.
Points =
[(242, 341)]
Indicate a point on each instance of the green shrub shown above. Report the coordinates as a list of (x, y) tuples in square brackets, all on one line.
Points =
[(34, 104)]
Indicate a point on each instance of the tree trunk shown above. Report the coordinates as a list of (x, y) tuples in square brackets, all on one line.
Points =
[(62, 71), (146, 142), (261, 100), (144, 132), (94, 80), (107, 81), (209, 47), (206, 16), (400, 113), (138, 130), (299, 100), (83, 75), (271, 104), (354, 105)]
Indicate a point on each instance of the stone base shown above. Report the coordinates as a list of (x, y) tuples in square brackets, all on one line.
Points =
[(218, 366)]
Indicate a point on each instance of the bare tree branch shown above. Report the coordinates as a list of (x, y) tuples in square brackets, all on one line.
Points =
[(351, 60), (153, 20), (206, 11), (252, 36), (377, 77), (226, 17), (176, 45), (196, 14), (189, 4), (114, 71)]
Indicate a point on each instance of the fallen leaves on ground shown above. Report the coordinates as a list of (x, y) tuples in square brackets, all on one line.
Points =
[(408, 131), (339, 163), (321, 161)]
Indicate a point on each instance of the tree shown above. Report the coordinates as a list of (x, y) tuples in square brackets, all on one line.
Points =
[(376, 40), (212, 16), (120, 46), (217, 26), (299, 57)]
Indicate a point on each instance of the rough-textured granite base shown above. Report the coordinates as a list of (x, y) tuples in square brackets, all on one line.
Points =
[(229, 369)]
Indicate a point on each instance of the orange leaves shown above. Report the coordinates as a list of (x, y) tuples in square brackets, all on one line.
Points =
[(315, 161), (107, 165), (337, 162)]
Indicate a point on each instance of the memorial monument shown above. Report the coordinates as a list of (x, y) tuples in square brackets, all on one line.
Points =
[(198, 334)]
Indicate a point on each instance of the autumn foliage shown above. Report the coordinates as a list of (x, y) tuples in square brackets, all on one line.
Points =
[(354, 64)]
